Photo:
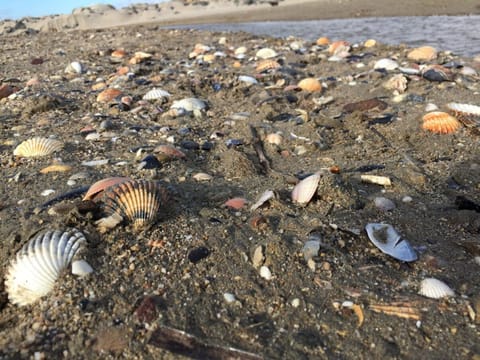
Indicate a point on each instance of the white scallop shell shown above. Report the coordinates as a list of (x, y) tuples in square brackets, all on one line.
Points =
[(189, 104), (387, 64), (266, 53), (303, 192), (466, 109), (156, 94), (34, 271), (37, 146), (389, 241), (435, 289)]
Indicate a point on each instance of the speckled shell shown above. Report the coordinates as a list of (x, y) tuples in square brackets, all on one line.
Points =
[(37, 147), (102, 185), (434, 289), (137, 201), (37, 266), (440, 122), (303, 192), (310, 84)]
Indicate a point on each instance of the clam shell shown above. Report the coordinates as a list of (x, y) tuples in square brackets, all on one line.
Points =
[(189, 104), (138, 201), (74, 68), (170, 151), (440, 122), (266, 53), (423, 53), (303, 192), (387, 64), (37, 266), (109, 95), (118, 53), (370, 43), (310, 84), (338, 47), (435, 289), (156, 94), (236, 203), (267, 64), (468, 114), (37, 146), (247, 79), (103, 185), (267, 195), (389, 241)]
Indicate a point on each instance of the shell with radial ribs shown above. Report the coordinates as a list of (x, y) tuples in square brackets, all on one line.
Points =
[(435, 289), (440, 122), (468, 114), (37, 266), (37, 146), (136, 201)]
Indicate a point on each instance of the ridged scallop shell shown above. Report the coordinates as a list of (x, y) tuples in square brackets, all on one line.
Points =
[(310, 84), (102, 185), (137, 201), (468, 114), (37, 266), (389, 241), (303, 192), (440, 122), (37, 146), (435, 289), (267, 64), (156, 94)]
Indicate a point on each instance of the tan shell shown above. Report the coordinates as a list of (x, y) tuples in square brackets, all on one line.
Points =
[(440, 122), (338, 46), (266, 53), (137, 201), (423, 53), (170, 151), (102, 185), (56, 168), (37, 147), (303, 192), (370, 43), (310, 84), (267, 64), (322, 41), (435, 289)]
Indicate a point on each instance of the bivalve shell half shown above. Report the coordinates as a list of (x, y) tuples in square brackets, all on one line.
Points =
[(266, 53), (310, 85), (37, 146), (155, 94), (386, 64), (468, 114), (389, 241), (322, 41), (170, 151), (303, 192), (137, 201), (423, 53), (435, 289), (267, 64), (109, 95), (189, 104), (37, 266), (440, 122), (102, 185)]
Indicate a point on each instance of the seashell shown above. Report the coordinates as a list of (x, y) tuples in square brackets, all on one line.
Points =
[(266, 53), (435, 289), (37, 146), (468, 114), (397, 82), (267, 195), (322, 41), (389, 241), (440, 122), (387, 64), (338, 47), (56, 168), (240, 50), (384, 204), (236, 203), (274, 138), (170, 151), (267, 64), (431, 107), (376, 179), (247, 79), (74, 68), (118, 53), (156, 94), (101, 85), (81, 268), (37, 266), (310, 84), (102, 185), (202, 177), (265, 272), (6, 90), (139, 57), (370, 43), (209, 58), (138, 201), (437, 73), (109, 95), (189, 104), (424, 53), (303, 192)]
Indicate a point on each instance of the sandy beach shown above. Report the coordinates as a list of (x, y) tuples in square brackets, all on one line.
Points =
[(253, 197)]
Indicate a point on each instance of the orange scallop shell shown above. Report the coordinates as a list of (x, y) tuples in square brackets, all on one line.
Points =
[(101, 185), (310, 84), (440, 122), (108, 95)]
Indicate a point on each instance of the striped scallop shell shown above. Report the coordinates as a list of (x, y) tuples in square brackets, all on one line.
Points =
[(440, 122), (303, 192), (37, 266), (137, 201), (37, 146), (435, 289), (468, 114), (267, 64), (155, 94)]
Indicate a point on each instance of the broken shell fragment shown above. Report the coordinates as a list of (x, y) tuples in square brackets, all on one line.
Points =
[(468, 114), (386, 64), (138, 201), (37, 146), (37, 266), (440, 122), (389, 241), (435, 289), (303, 192), (267, 195), (189, 104), (170, 151), (236, 203), (267, 64), (376, 179), (102, 185)]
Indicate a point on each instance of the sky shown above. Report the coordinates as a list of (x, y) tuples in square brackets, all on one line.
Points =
[(16, 9)]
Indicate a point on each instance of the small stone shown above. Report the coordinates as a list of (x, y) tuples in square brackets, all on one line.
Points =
[(198, 254), (229, 298), (147, 310), (295, 302), (265, 273), (258, 257)]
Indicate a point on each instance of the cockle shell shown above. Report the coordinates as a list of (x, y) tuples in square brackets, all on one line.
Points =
[(37, 266), (389, 241), (468, 114), (37, 146), (266, 53), (137, 201), (102, 185), (435, 289), (440, 122), (156, 94), (310, 84), (303, 192)]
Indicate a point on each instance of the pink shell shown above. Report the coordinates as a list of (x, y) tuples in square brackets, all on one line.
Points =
[(102, 185), (236, 203), (303, 192)]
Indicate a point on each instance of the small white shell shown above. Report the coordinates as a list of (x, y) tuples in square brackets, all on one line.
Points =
[(247, 79), (266, 53), (387, 64), (466, 109), (303, 192), (267, 195), (389, 241), (189, 104), (37, 146), (265, 272), (156, 94), (74, 68), (435, 289), (81, 268), (34, 271), (202, 176)]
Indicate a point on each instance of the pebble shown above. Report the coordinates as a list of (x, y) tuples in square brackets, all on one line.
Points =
[(229, 298), (265, 272)]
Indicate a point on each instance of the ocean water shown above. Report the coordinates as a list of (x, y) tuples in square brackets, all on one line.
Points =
[(460, 34)]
